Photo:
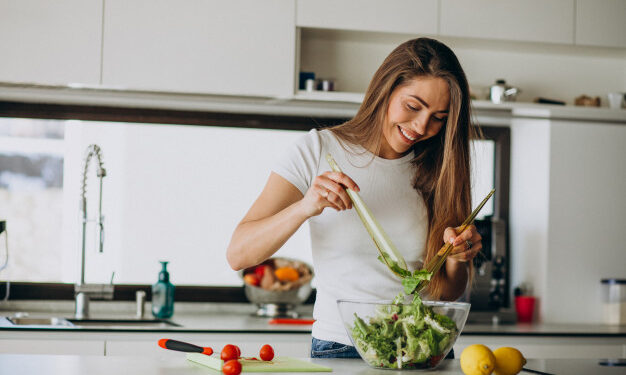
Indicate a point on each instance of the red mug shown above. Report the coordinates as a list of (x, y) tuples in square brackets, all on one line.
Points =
[(525, 307)]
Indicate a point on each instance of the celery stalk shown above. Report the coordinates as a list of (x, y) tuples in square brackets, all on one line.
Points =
[(388, 252)]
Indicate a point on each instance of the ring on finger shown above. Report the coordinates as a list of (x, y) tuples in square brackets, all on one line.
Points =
[(469, 244), (325, 193)]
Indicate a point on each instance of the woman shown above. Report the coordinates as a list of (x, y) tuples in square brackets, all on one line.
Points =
[(408, 149)]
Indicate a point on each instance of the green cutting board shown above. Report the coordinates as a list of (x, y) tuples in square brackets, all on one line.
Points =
[(278, 364)]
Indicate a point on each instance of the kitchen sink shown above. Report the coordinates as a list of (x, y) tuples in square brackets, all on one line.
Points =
[(87, 323), (128, 323), (56, 322)]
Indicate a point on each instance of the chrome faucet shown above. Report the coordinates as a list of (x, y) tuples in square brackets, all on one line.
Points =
[(84, 292)]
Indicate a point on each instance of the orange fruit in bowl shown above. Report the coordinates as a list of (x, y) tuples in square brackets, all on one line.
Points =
[(287, 274)]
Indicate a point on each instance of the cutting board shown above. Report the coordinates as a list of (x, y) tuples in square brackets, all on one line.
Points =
[(278, 364)]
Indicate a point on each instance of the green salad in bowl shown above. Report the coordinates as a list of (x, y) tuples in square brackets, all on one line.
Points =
[(403, 335)]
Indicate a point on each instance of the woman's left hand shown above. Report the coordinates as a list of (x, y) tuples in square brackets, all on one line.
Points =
[(466, 245)]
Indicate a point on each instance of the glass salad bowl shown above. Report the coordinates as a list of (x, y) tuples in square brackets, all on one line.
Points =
[(403, 336)]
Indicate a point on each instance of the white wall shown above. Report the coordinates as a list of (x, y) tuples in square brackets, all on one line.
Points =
[(529, 203), (176, 193), (567, 214), (553, 71), (587, 218), (171, 193)]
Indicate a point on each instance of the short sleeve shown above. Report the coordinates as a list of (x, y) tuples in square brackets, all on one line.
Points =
[(299, 164)]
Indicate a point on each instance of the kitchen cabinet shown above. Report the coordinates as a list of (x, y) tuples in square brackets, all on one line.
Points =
[(239, 47), (111, 343), (530, 20), (601, 23), (550, 347), (285, 344), (50, 42), (400, 16)]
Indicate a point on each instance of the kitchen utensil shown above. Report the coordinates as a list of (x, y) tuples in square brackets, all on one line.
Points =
[(616, 100), (184, 347), (278, 364), (388, 252), (304, 77), (541, 100), (383, 312), (536, 371), (326, 85), (140, 300), (437, 261), (525, 308), (3, 233), (291, 321), (309, 84), (614, 300), (587, 101), (501, 92)]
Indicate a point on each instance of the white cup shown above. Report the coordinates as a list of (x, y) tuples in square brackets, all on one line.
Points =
[(616, 100)]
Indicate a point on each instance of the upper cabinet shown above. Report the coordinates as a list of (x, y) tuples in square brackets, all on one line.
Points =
[(601, 23), (50, 42), (399, 16), (528, 20), (235, 47)]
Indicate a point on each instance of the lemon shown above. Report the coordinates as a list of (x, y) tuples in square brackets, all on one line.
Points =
[(477, 359), (509, 361)]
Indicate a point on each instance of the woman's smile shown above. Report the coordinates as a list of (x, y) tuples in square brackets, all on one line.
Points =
[(407, 135)]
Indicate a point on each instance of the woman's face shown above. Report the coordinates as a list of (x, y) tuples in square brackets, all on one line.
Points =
[(417, 110)]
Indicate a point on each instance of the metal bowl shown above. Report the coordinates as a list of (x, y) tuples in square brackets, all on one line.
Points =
[(274, 303)]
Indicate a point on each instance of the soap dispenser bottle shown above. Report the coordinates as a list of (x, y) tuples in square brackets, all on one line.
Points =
[(163, 295)]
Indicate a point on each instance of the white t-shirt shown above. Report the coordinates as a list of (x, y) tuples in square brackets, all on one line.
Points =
[(344, 255)]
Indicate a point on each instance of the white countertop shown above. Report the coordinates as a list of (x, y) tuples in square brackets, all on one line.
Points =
[(238, 318), (96, 365)]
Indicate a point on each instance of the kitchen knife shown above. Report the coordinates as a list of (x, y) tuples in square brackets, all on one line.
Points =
[(292, 321), (184, 347), (536, 372)]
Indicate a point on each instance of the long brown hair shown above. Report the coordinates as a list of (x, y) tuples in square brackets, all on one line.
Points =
[(442, 163)]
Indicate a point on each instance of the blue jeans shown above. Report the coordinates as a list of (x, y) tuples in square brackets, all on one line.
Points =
[(331, 349)]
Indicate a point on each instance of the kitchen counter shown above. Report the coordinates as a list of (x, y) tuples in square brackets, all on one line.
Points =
[(238, 318), (94, 365)]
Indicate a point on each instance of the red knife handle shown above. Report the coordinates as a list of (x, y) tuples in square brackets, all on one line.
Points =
[(291, 321), (183, 347)]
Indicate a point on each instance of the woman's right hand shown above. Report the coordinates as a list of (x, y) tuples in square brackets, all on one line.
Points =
[(328, 190)]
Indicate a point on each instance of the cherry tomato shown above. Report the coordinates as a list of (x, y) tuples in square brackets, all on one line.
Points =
[(232, 367), (266, 353), (238, 351), (229, 352)]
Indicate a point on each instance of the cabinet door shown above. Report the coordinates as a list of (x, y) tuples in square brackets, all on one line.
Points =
[(549, 347), (50, 42), (529, 20), (402, 16), (239, 47), (55, 346), (601, 23)]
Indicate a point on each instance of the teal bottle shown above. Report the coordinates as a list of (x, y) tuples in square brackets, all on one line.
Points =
[(163, 295)]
